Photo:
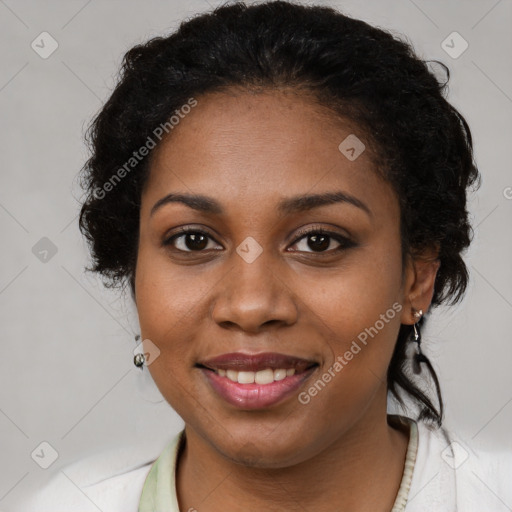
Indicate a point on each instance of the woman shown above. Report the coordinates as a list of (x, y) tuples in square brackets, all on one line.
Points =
[(284, 190)]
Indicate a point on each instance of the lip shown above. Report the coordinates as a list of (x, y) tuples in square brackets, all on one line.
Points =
[(256, 396), (240, 361)]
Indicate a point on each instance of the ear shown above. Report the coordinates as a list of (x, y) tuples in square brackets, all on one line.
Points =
[(420, 276)]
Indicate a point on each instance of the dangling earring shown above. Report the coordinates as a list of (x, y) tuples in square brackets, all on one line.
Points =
[(416, 337), (139, 359)]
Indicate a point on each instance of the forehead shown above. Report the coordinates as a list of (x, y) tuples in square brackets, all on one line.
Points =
[(260, 146)]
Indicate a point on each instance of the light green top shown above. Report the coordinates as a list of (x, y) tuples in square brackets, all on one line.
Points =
[(159, 492)]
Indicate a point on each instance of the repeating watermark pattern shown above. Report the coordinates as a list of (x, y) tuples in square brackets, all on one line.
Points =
[(44, 455), (351, 147), (454, 45), (44, 45), (137, 156), (455, 455), (249, 250), (342, 360), (44, 250), (149, 349)]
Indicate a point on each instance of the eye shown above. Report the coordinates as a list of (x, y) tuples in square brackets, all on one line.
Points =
[(190, 239), (316, 240), (320, 240)]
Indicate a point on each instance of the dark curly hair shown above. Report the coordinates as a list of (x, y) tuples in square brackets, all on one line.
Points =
[(361, 73)]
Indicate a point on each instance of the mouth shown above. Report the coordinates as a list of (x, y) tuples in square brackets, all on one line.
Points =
[(256, 381)]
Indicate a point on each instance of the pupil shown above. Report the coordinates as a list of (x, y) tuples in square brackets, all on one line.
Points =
[(318, 242), (196, 241)]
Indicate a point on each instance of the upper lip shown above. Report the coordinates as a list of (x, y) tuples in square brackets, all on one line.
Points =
[(239, 361)]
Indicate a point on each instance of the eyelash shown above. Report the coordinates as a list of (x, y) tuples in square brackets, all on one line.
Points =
[(345, 243)]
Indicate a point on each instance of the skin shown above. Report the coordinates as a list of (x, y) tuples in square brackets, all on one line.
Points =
[(249, 151)]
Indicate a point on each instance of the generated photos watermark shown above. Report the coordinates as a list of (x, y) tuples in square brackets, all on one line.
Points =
[(342, 360), (158, 133)]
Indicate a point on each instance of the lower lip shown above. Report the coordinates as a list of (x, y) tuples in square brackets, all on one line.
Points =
[(255, 396)]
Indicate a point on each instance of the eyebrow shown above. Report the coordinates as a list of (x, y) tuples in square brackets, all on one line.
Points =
[(288, 206)]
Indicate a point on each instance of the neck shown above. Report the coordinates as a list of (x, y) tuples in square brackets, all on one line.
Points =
[(371, 451)]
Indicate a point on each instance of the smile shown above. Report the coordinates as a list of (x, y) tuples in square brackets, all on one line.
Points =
[(256, 381), (266, 376)]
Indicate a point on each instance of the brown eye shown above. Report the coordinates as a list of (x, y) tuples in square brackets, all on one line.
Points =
[(321, 241), (195, 241), (189, 240)]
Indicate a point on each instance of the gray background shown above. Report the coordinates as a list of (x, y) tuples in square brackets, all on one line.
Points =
[(67, 376)]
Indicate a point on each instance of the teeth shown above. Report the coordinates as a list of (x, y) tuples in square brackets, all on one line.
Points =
[(279, 374), (266, 376), (232, 375), (245, 377)]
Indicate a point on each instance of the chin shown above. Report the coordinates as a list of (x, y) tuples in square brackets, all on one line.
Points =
[(262, 450), (252, 456)]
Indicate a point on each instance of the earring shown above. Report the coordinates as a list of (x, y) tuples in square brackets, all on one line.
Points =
[(145, 384), (416, 337), (139, 359)]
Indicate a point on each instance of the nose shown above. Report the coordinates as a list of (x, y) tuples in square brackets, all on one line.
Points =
[(254, 296)]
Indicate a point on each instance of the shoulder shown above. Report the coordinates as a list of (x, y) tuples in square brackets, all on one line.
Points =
[(451, 474), (111, 480)]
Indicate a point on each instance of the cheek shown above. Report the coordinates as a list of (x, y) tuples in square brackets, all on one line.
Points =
[(167, 296), (358, 323), (355, 296), (170, 310), (356, 311)]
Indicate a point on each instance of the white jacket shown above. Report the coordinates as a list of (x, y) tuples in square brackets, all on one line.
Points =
[(448, 476)]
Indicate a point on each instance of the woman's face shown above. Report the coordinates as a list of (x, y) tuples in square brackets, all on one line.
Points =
[(262, 281)]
